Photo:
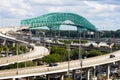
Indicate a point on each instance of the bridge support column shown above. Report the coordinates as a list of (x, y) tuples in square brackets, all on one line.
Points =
[(13, 79), (13, 44), (73, 75), (4, 42), (108, 71), (88, 73), (48, 77), (61, 76), (119, 65), (28, 78), (98, 35), (94, 73)]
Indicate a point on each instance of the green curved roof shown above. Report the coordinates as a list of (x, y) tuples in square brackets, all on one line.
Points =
[(54, 20)]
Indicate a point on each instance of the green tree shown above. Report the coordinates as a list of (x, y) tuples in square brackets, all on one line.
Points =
[(94, 53), (0, 55), (22, 64), (30, 63), (11, 66), (52, 58), (75, 53), (23, 49), (61, 51), (84, 41)]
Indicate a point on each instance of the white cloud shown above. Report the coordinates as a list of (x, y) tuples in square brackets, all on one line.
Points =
[(47, 2), (100, 7), (94, 11), (16, 8), (55, 9), (4, 4)]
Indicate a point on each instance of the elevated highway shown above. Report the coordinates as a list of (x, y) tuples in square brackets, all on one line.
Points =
[(35, 53), (8, 29), (39, 52), (62, 67)]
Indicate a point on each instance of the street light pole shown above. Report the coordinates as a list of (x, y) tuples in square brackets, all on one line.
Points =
[(50, 39), (68, 49), (7, 53), (30, 32), (44, 41), (17, 55), (80, 55)]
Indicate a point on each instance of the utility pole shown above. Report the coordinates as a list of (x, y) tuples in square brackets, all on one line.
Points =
[(43, 42), (17, 55), (80, 54), (68, 49)]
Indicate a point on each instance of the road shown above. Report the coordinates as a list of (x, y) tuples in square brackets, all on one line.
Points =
[(39, 52), (62, 67)]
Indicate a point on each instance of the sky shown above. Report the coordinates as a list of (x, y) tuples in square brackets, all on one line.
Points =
[(104, 14)]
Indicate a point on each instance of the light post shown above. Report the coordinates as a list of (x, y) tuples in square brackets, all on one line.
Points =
[(80, 54), (84, 34), (25, 61), (17, 55), (98, 34), (111, 48), (50, 39), (59, 34), (43, 41), (38, 35), (30, 36), (68, 49), (7, 50)]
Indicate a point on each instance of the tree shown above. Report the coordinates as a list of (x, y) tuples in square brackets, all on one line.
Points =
[(52, 58), (84, 41), (75, 53), (61, 51), (94, 53), (22, 64), (23, 49), (0, 55), (30, 63)]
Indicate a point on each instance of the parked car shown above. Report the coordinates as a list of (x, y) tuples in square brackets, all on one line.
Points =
[(111, 56), (53, 64)]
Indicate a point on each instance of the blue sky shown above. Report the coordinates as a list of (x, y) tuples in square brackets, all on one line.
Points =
[(104, 14)]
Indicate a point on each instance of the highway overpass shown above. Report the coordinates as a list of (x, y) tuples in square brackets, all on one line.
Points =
[(46, 70)]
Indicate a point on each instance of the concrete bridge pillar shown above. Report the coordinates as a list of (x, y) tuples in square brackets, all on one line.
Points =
[(13, 44), (4, 42), (88, 73), (94, 71), (73, 75), (108, 72), (13, 79), (61, 76), (48, 77), (119, 65)]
